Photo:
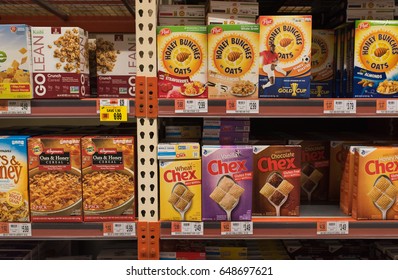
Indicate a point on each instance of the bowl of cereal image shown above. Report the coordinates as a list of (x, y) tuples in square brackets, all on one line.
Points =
[(192, 89), (55, 193), (387, 87), (106, 192), (243, 89)]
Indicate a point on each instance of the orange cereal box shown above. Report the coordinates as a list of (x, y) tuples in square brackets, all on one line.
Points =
[(182, 61), (233, 61), (375, 183)]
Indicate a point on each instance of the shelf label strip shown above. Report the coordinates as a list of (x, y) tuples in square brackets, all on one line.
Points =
[(386, 106), (187, 228), (113, 114), (119, 229), (332, 227), (338, 106), (113, 102), (15, 229), (189, 106), (234, 106), (15, 107), (236, 228)]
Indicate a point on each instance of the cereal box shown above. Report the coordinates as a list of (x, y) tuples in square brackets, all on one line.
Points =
[(116, 65), (322, 54), (214, 18), (285, 56), (371, 4), (172, 151), (108, 178), (276, 180), (182, 61), (15, 62), (181, 21), (375, 183), (233, 58), (182, 11), (227, 183), (180, 190), (376, 58), (55, 179), (60, 62), (227, 7), (14, 199)]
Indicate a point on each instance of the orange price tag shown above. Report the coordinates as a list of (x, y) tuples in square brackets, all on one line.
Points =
[(321, 227), (328, 105), (231, 105), (175, 227), (225, 226), (381, 105), (179, 105), (4, 228), (385, 106), (3, 105), (107, 228)]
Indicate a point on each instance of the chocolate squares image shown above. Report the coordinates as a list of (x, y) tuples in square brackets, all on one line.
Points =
[(276, 190), (227, 193), (181, 197), (310, 178)]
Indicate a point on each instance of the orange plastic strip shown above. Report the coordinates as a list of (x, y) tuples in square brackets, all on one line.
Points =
[(140, 96)]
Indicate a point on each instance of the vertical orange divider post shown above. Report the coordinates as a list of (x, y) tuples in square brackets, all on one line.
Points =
[(154, 240), (142, 234), (140, 97), (152, 97), (148, 236)]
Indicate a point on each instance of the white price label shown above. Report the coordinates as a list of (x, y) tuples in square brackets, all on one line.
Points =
[(15, 107), (338, 106), (15, 229), (332, 227), (187, 228), (191, 106), (119, 229), (242, 106), (113, 102), (384, 106), (236, 228)]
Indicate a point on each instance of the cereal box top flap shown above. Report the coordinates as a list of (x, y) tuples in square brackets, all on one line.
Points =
[(364, 24), (259, 148), (170, 29), (121, 137), (209, 149), (173, 151), (216, 29), (58, 137), (16, 137), (364, 151)]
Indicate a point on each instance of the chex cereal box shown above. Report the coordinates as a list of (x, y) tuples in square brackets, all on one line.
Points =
[(15, 62), (182, 61), (276, 180), (375, 183), (233, 61), (227, 183), (322, 64), (285, 56), (181, 150), (376, 58), (60, 62), (14, 199)]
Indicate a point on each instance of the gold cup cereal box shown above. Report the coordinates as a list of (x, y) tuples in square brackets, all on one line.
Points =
[(375, 183), (182, 61), (233, 58), (180, 190), (14, 201), (15, 62), (376, 58), (322, 54), (285, 56)]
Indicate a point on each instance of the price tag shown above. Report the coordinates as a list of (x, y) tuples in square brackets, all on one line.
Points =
[(191, 106), (242, 106), (332, 227), (187, 228), (236, 228), (15, 107), (385, 106), (113, 102), (119, 229), (339, 106), (113, 114), (15, 229)]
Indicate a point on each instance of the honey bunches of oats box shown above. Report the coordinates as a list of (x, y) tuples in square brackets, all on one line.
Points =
[(322, 52), (233, 61), (285, 56), (182, 61), (376, 58)]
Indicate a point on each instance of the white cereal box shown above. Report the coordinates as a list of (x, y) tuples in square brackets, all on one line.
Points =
[(218, 18)]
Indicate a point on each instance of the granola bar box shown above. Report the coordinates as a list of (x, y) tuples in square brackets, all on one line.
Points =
[(60, 62), (55, 179), (227, 183), (108, 178), (14, 201)]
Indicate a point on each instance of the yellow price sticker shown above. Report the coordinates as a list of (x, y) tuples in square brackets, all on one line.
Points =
[(113, 113)]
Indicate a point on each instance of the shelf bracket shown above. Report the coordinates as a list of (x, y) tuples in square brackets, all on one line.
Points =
[(50, 8)]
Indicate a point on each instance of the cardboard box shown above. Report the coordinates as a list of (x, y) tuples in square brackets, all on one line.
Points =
[(240, 8), (353, 15), (276, 180), (218, 18), (376, 59), (116, 65), (165, 21), (183, 132), (60, 62), (194, 11), (108, 178), (285, 52), (322, 63), (233, 61), (14, 199), (227, 183), (369, 4), (182, 61), (15, 62), (171, 151), (55, 178)]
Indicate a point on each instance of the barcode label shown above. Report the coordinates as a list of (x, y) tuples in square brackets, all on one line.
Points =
[(15, 229), (189, 106), (119, 229), (187, 228), (236, 228), (384, 106), (332, 227), (113, 102), (331, 106), (15, 107), (242, 107)]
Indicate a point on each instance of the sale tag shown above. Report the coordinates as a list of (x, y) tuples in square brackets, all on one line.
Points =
[(234, 106), (191, 106), (113, 102), (236, 228), (385, 106), (187, 228), (15, 107), (119, 229), (113, 114), (15, 229), (332, 227), (338, 106)]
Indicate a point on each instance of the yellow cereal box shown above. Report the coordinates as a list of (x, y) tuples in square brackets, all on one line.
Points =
[(375, 183), (180, 190), (285, 56), (376, 58), (182, 61), (233, 61)]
